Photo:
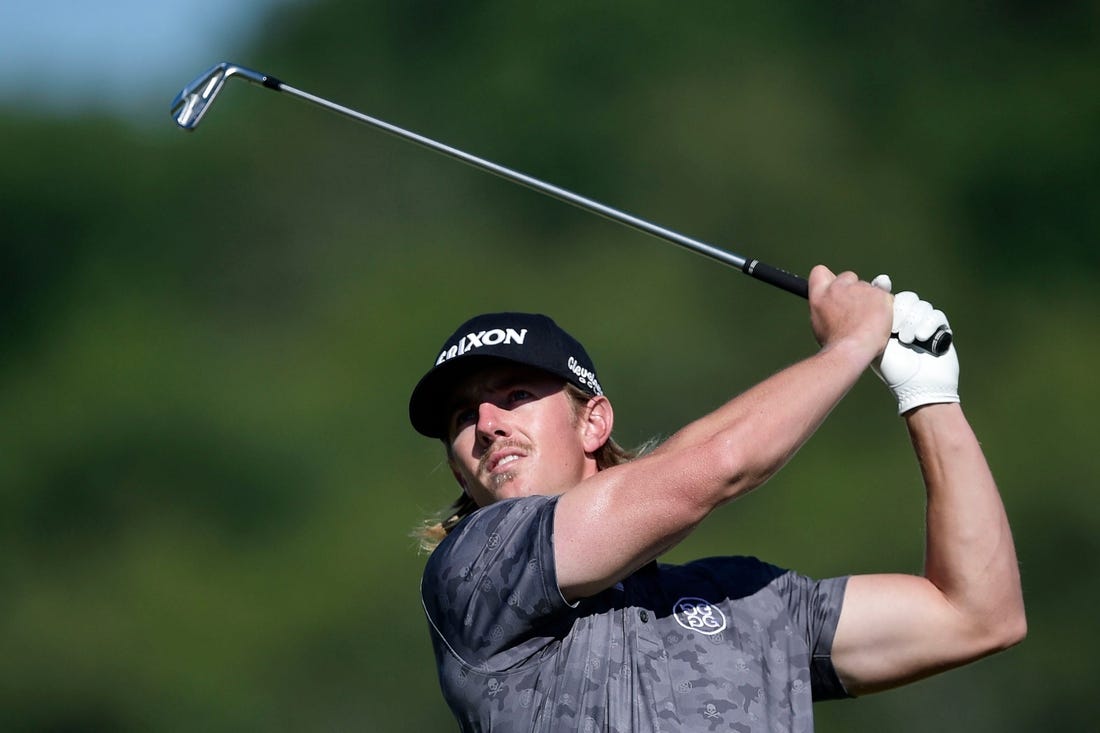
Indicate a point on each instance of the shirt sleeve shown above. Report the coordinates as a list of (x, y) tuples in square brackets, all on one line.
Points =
[(815, 607), (490, 589)]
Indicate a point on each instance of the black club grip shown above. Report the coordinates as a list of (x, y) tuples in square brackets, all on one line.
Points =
[(779, 278), (938, 344)]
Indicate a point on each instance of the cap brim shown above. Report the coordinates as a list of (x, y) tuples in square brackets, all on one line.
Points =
[(428, 403)]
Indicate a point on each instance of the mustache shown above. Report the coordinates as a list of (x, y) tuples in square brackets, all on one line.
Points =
[(500, 445)]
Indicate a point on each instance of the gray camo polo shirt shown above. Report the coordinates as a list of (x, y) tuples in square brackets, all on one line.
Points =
[(720, 644)]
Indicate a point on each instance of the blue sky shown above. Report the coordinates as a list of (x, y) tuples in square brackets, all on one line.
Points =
[(122, 56)]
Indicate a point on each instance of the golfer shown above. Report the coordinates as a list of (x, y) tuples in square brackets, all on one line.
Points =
[(547, 608)]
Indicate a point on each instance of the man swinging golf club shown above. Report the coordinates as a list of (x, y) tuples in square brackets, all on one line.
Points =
[(546, 604), (548, 610)]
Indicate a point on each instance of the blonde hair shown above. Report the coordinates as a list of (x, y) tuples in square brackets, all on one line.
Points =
[(433, 530)]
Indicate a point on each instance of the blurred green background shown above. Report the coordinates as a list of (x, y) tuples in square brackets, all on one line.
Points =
[(207, 478)]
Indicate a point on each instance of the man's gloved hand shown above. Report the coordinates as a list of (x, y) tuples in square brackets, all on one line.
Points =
[(916, 376)]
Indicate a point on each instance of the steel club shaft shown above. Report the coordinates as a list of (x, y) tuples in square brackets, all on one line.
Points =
[(192, 103)]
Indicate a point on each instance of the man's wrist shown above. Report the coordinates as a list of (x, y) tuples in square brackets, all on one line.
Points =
[(932, 411), (851, 352)]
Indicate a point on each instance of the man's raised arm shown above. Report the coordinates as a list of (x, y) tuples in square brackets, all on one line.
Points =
[(620, 519), (968, 603)]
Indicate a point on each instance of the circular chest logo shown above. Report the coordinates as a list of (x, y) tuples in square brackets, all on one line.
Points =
[(696, 614)]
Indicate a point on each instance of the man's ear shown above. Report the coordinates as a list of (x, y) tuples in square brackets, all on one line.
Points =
[(597, 420)]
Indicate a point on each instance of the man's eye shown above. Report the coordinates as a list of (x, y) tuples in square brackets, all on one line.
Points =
[(519, 395), (464, 417)]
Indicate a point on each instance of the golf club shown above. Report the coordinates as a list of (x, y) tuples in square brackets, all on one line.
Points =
[(192, 103)]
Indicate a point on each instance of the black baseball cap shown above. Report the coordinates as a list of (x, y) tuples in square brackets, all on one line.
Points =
[(521, 338)]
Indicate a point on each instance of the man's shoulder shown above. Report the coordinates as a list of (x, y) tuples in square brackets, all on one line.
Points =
[(499, 516), (492, 579), (488, 530)]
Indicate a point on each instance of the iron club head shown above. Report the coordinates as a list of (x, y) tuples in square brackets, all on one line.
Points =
[(191, 103)]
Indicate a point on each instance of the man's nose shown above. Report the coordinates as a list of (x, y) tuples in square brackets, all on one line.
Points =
[(492, 421)]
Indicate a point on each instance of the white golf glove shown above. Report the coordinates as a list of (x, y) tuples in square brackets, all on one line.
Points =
[(915, 376)]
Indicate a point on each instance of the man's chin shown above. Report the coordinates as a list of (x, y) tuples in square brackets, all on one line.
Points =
[(503, 480)]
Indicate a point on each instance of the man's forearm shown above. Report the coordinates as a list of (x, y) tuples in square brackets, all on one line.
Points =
[(770, 421), (970, 554)]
